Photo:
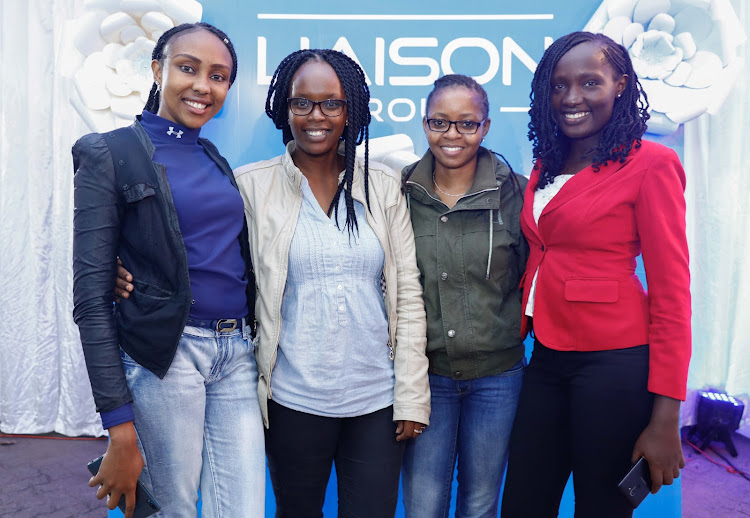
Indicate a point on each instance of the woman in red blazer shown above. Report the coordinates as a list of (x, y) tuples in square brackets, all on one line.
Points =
[(610, 360)]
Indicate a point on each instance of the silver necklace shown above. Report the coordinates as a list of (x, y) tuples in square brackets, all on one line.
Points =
[(442, 191)]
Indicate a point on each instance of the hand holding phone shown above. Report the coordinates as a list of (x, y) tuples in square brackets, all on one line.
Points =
[(145, 503), (636, 485)]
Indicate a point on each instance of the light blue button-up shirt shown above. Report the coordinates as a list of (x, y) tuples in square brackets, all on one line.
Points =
[(333, 355)]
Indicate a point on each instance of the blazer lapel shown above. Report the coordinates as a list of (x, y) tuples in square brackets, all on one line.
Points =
[(527, 211), (582, 182)]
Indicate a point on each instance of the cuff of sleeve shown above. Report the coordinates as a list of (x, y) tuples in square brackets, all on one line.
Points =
[(117, 416)]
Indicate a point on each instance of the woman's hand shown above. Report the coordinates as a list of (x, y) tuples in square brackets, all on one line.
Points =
[(408, 430), (120, 468), (122, 283), (660, 444)]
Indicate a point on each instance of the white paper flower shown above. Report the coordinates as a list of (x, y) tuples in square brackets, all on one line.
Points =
[(106, 52), (685, 53)]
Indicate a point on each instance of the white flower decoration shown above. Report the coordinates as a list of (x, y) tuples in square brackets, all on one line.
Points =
[(685, 53), (106, 53)]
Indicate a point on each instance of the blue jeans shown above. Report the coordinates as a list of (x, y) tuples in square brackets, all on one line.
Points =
[(200, 426), (470, 420)]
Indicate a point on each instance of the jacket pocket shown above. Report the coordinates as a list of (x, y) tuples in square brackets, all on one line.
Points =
[(137, 192), (591, 290), (151, 291)]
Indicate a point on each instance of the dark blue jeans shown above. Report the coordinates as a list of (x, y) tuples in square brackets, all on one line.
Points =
[(579, 412), (471, 420)]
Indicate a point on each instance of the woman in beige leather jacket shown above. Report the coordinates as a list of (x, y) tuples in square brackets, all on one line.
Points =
[(341, 322)]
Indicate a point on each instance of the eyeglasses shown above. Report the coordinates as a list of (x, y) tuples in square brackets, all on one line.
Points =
[(464, 127), (329, 107)]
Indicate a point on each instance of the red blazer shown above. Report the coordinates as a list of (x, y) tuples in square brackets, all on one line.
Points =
[(588, 297)]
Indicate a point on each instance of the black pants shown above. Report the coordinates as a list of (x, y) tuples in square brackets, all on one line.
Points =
[(579, 412), (301, 447)]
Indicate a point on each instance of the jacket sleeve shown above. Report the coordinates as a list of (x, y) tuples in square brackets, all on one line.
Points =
[(411, 400), (96, 229), (660, 217)]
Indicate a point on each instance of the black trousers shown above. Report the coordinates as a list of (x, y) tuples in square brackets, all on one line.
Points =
[(579, 412), (300, 448)]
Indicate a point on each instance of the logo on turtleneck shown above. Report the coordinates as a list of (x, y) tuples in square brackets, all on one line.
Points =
[(178, 133)]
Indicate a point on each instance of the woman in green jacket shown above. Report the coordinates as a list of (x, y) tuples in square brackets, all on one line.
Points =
[(465, 203)]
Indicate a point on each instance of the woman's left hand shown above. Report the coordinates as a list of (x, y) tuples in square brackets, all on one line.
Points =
[(660, 444), (408, 430)]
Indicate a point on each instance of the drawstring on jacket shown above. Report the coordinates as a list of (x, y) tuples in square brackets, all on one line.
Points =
[(489, 255)]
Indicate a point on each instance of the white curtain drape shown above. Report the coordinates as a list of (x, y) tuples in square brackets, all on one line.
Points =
[(43, 381), (717, 162)]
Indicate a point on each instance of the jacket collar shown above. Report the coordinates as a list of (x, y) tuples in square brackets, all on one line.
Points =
[(294, 174), (490, 173), (582, 182)]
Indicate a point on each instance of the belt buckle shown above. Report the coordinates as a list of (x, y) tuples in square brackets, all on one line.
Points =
[(226, 325)]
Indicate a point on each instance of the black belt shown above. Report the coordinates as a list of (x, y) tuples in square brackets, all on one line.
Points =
[(223, 325)]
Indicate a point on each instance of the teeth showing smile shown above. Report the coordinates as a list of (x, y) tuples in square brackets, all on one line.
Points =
[(316, 133), (193, 104), (575, 116), (451, 149)]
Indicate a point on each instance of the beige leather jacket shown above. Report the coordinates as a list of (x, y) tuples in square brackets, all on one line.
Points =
[(271, 190)]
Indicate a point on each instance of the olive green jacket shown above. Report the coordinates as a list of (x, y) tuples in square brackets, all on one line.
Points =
[(470, 274)]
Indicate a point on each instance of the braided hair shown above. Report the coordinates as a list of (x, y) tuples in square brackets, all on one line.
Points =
[(152, 105), (454, 80), (357, 94), (627, 123)]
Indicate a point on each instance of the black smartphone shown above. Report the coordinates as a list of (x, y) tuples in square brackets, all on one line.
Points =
[(145, 503), (636, 485)]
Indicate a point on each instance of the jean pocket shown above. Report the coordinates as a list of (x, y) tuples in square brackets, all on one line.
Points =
[(126, 359), (516, 369)]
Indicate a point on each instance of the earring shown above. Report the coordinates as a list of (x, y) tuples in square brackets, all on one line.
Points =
[(158, 87), (619, 95)]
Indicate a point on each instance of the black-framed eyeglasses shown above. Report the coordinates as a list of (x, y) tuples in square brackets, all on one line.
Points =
[(329, 107), (465, 127)]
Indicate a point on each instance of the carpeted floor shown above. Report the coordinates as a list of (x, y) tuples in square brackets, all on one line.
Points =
[(46, 477)]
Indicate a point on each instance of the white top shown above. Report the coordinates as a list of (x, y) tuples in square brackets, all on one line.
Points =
[(541, 198)]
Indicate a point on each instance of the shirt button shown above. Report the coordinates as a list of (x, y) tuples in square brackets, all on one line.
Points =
[(443, 275), (457, 374), (444, 219), (451, 333), (543, 248), (192, 301), (338, 267), (341, 308), (340, 286)]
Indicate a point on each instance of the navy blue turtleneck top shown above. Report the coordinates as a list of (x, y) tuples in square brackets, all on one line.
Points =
[(210, 213)]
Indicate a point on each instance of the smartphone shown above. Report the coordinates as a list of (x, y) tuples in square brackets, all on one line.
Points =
[(636, 485), (145, 503)]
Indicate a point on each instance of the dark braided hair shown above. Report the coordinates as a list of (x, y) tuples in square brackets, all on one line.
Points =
[(454, 80), (152, 105), (356, 131), (627, 123)]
